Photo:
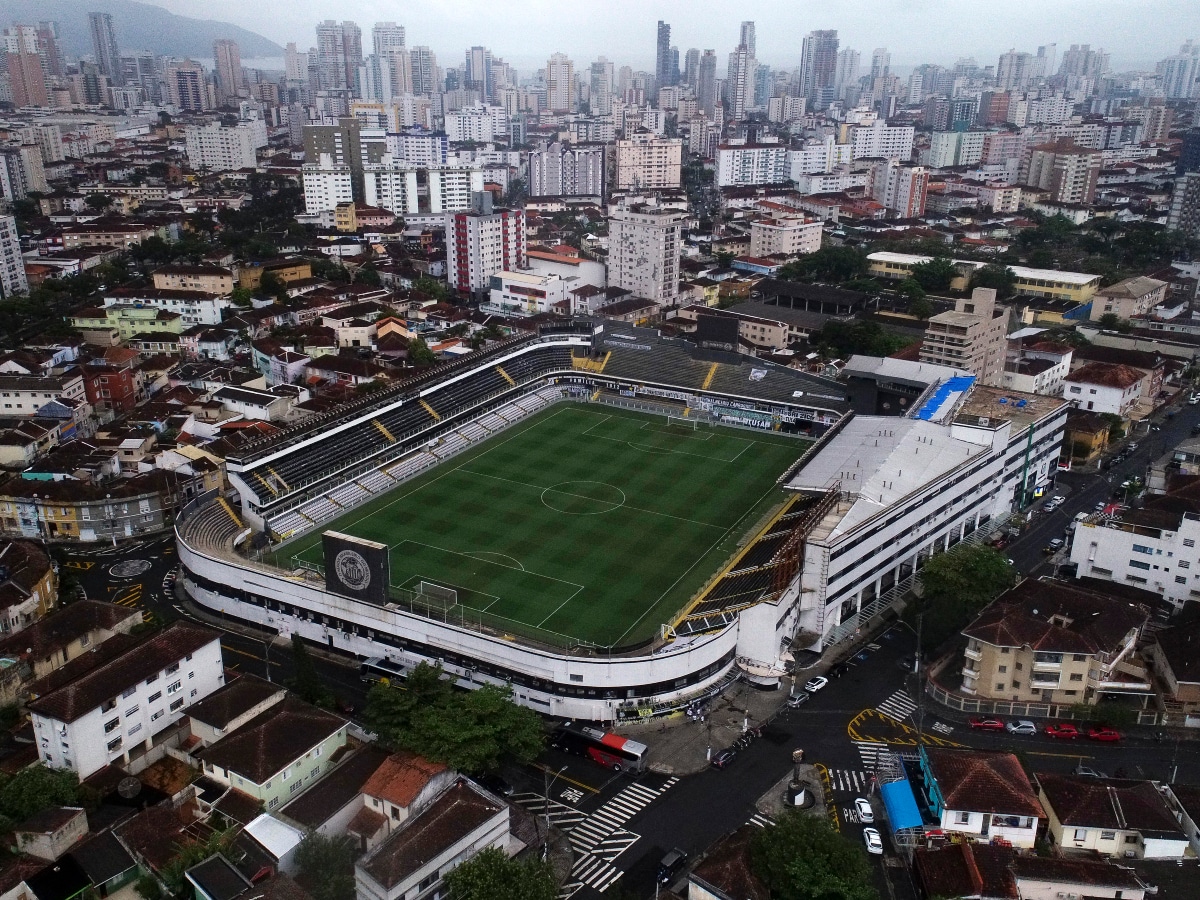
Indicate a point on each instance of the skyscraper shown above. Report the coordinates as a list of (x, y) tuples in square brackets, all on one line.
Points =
[(478, 72), (49, 49), (227, 58), (425, 74), (818, 66), (1013, 70), (881, 63), (339, 54), (386, 37), (662, 58), (846, 74), (601, 84), (739, 84), (104, 45), (691, 68), (706, 86), (560, 83), (12, 266), (746, 38)]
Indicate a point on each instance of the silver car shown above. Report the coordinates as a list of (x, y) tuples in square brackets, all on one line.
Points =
[(1022, 726)]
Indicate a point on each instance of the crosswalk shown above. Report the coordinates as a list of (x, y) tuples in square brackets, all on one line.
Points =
[(849, 780), (869, 752), (600, 838), (943, 728), (898, 706), (561, 816), (762, 821)]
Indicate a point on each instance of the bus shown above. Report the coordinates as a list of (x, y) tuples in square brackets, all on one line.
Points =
[(379, 668), (603, 747)]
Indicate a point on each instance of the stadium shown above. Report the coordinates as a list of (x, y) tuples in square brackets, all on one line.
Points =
[(594, 513)]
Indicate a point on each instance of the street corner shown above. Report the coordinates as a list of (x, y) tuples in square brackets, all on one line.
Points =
[(873, 727), (827, 791)]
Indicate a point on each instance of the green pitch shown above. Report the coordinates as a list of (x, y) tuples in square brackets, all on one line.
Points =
[(583, 523)]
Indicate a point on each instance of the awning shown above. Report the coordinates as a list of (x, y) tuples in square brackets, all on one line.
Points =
[(901, 805)]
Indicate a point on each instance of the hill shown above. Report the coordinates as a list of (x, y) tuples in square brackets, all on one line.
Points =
[(139, 26)]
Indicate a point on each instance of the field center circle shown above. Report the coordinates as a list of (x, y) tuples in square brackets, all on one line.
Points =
[(583, 498)]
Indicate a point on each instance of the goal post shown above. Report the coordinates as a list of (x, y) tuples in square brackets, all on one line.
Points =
[(436, 596), (682, 422)]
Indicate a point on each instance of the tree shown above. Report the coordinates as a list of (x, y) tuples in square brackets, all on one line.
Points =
[(33, 789), (241, 296), (831, 263), (307, 684), (910, 289), (99, 202), (921, 307), (419, 353), (999, 278), (723, 258), (492, 875), (326, 866), (935, 274), (432, 288), (803, 858), (957, 585)]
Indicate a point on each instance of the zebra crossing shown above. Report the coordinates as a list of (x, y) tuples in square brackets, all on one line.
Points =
[(869, 752), (615, 813), (561, 816), (762, 821), (592, 871), (849, 780), (899, 706)]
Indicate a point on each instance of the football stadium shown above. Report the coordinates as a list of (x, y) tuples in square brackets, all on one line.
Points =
[(586, 513)]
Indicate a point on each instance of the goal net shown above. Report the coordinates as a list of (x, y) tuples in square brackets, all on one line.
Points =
[(681, 422), (436, 596)]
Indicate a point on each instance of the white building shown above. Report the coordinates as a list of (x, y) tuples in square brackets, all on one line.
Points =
[(565, 170), (955, 148), (897, 490), (481, 243), (220, 148), (481, 123), (392, 187), (648, 162), (196, 307), (786, 236), (423, 150), (527, 293), (111, 713), (451, 188), (644, 242), (326, 184), (881, 139), (746, 164), (1104, 388), (12, 266), (1037, 368)]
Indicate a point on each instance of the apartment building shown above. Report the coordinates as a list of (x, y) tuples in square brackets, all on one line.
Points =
[(562, 169), (743, 164), (1036, 367), (195, 307), (1131, 297), (879, 139), (646, 161), (970, 337), (222, 148), (1067, 171), (785, 236), (112, 706), (644, 243), (12, 265), (120, 235), (482, 242), (1104, 388), (182, 277), (24, 395), (1049, 641)]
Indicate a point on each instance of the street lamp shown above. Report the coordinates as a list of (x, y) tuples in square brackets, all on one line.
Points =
[(267, 654), (547, 783)]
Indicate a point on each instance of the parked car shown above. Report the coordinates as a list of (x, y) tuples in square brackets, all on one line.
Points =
[(495, 784), (1193, 399), (986, 724), (862, 806), (1104, 733), (1023, 726), (670, 865), (815, 684), (797, 700), (1054, 546), (1063, 731), (1088, 772), (1132, 446), (907, 663), (1100, 506), (724, 758), (873, 841), (839, 670)]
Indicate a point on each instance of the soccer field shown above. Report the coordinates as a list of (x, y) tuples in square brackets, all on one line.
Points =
[(583, 523)]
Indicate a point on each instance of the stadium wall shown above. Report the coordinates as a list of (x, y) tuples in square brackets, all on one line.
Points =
[(558, 684)]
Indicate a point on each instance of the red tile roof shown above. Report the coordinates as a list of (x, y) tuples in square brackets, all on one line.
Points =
[(983, 781), (402, 777)]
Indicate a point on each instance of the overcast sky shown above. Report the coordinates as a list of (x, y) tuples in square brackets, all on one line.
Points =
[(1135, 32)]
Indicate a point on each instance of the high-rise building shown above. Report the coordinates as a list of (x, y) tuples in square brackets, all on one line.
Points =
[(746, 38), (50, 50), (139, 70), (12, 266), (1189, 152), (425, 72), (646, 161), (662, 56), (21, 172), (339, 55), (478, 72), (1083, 62), (386, 37), (972, 337), (25, 67), (846, 75), (482, 242), (560, 84), (600, 87), (691, 68), (644, 243), (1180, 74), (1014, 71), (818, 67), (881, 63), (104, 46), (739, 83), (224, 148), (1044, 61), (900, 187), (1069, 172), (227, 60), (187, 87), (567, 170), (1185, 205), (706, 83)]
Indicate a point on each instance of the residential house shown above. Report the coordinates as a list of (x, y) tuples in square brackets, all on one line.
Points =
[(1152, 364), (1104, 388), (402, 786), (52, 832), (1135, 296), (1053, 642), (333, 804), (725, 872), (1115, 817), (1185, 800), (286, 270), (182, 277), (230, 707), (1056, 878), (28, 585), (254, 404), (346, 370), (278, 753), (1175, 657), (24, 440), (981, 795), (1086, 437), (412, 861), (26, 395), (965, 870), (196, 307), (1036, 366), (125, 320), (116, 704)]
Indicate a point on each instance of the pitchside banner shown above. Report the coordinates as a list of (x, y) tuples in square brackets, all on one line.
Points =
[(356, 568)]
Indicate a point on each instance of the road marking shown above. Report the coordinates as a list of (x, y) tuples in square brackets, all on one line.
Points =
[(827, 790), (849, 780), (610, 817), (79, 564), (761, 821), (561, 815), (569, 780), (898, 706)]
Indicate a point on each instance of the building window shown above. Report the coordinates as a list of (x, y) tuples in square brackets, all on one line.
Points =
[(1131, 838), (1076, 676), (112, 725), (157, 695), (178, 704), (1081, 834), (174, 687), (131, 710), (173, 668), (1108, 835), (157, 715), (1138, 564), (962, 818)]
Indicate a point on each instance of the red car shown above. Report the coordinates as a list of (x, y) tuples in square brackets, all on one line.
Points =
[(987, 724), (1104, 734), (1069, 732)]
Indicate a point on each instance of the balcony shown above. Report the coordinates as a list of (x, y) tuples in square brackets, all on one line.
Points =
[(1046, 666), (974, 654)]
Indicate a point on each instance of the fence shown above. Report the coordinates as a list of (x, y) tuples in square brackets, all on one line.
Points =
[(966, 704)]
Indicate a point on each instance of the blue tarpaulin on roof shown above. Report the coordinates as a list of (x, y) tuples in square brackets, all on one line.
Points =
[(901, 805)]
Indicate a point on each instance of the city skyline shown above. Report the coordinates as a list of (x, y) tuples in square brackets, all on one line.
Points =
[(980, 32)]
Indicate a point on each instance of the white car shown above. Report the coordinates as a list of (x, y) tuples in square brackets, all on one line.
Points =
[(873, 841), (815, 684), (862, 806)]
